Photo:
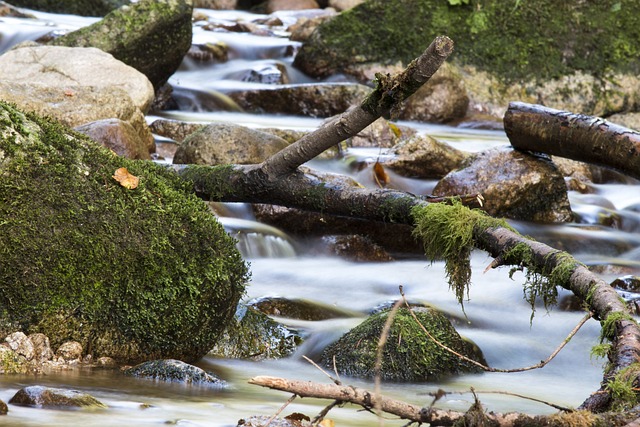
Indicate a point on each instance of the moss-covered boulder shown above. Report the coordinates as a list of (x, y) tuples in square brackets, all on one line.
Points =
[(409, 355), (577, 47), (150, 36), (73, 7), (132, 273)]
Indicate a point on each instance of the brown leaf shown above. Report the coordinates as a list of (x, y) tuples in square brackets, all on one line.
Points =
[(125, 179), (379, 174)]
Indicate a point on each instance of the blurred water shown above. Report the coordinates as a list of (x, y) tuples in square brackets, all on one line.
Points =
[(498, 319)]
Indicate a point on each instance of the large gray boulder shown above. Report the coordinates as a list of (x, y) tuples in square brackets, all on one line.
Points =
[(151, 36), (76, 86)]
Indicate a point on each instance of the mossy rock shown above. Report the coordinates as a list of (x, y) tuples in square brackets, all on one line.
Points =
[(151, 36), (409, 355), (47, 397), (174, 371), (72, 7), (514, 39), (134, 274)]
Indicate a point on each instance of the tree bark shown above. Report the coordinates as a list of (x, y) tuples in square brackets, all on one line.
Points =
[(575, 136), (279, 180)]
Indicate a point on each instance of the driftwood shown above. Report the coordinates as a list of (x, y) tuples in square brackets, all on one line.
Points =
[(434, 417), (279, 180), (575, 136)]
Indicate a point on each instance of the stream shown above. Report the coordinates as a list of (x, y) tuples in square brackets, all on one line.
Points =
[(497, 317)]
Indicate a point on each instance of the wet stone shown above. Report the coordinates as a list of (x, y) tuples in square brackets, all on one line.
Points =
[(176, 371), (21, 344), (298, 309), (46, 397)]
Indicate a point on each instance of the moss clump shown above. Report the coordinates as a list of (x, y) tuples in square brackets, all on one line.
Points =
[(514, 39), (132, 274), (623, 388), (447, 233), (408, 355)]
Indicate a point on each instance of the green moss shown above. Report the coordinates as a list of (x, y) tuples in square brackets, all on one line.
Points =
[(600, 350), (447, 233), (132, 274), (623, 388), (408, 355), (608, 325), (515, 39)]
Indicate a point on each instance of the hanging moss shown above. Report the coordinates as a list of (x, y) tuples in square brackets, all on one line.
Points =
[(129, 273), (447, 233), (623, 388)]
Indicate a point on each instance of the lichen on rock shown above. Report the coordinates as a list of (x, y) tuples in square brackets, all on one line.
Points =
[(133, 274)]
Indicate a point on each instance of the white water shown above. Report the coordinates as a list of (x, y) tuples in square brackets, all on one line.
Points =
[(499, 319)]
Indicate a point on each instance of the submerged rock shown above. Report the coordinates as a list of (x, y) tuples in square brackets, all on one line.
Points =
[(150, 36), (409, 355), (54, 398), (514, 185), (131, 273), (254, 335), (170, 370)]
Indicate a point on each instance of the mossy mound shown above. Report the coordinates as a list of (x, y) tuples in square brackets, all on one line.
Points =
[(513, 39), (135, 274), (409, 355)]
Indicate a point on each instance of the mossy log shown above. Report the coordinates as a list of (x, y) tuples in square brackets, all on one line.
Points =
[(575, 136)]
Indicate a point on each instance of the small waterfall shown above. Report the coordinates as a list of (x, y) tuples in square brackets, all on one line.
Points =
[(257, 240)]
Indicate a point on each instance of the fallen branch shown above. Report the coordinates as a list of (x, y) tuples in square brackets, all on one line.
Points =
[(434, 417), (574, 136)]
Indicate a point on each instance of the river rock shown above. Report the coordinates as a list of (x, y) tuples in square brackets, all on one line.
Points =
[(341, 5), (514, 185), (3, 408), (70, 351), (82, 8), (216, 4), (225, 143), (500, 59), (11, 362), (298, 309), (76, 86), (313, 100), (174, 129), (54, 398), (41, 348), (117, 135), (254, 335), (109, 253), (171, 370), (276, 5), (409, 355), (381, 133), (425, 157), (150, 36), (355, 247), (21, 345)]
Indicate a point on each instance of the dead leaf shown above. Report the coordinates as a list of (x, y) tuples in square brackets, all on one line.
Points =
[(327, 423), (379, 174), (125, 179), (395, 129)]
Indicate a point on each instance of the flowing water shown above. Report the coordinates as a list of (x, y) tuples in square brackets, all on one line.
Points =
[(497, 318)]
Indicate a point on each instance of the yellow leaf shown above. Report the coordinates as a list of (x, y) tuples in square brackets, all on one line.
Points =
[(395, 129), (380, 176), (327, 423), (125, 179)]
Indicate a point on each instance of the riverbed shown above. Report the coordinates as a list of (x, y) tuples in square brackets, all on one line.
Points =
[(496, 317)]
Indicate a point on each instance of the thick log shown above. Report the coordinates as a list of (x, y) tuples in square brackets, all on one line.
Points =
[(574, 136)]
